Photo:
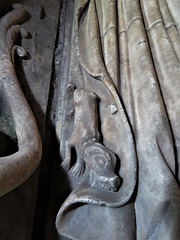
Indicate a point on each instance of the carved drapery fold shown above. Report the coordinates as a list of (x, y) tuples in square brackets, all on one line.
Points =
[(128, 53)]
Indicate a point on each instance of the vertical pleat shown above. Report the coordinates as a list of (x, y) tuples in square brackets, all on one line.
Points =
[(174, 6), (155, 198), (170, 27), (90, 43), (167, 67), (108, 29), (144, 81), (125, 78)]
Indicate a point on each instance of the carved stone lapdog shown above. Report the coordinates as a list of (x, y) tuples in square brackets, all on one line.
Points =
[(100, 160)]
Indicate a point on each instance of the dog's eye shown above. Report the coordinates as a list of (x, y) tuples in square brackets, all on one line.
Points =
[(101, 162)]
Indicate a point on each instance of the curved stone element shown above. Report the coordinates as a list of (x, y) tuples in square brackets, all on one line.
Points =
[(16, 168)]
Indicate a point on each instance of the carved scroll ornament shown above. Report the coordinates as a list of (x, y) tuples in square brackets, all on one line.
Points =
[(16, 168)]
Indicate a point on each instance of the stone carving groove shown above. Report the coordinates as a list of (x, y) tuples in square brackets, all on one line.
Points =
[(16, 168)]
